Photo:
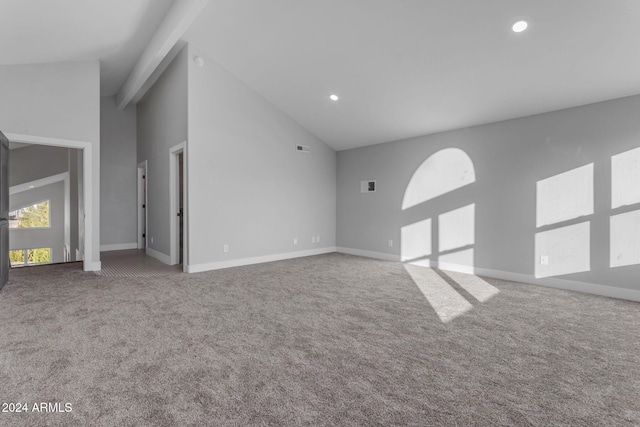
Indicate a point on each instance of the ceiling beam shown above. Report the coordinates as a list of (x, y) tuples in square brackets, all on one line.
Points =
[(175, 23)]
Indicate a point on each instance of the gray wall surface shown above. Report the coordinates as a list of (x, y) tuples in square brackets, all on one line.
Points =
[(248, 186), (509, 158), (162, 124), (52, 237), (56, 100), (36, 162), (118, 187)]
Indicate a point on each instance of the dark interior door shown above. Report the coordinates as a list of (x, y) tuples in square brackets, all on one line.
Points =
[(4, 210)]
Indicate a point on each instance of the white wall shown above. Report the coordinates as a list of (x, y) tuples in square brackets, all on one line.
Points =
[(35, 162), (118, 192), (161, 124), (52, 237), (528, 198), (248, 186), (62, 101)]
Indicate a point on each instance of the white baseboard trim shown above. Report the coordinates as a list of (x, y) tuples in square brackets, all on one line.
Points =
[(165, 259), (550, 282), (568, 285), (118, 247), (368, 254), (94, 266), (197, 268)]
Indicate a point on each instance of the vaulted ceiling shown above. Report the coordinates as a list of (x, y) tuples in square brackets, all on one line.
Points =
[(113, 31), (401, 68)]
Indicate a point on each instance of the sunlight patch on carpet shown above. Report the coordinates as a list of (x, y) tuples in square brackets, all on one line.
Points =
[(445, 300), (480, 289)]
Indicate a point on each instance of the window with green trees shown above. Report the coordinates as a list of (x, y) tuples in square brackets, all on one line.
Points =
[(30, 256), (34, 216)]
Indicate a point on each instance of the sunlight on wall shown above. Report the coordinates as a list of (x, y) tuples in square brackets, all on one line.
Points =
[(567, 249), (456, 228), (443, 172), (625, 238), (624, 228), (625, 178), (565, 196), (416, 241), (460, 260), (570, 195), (446, 301)]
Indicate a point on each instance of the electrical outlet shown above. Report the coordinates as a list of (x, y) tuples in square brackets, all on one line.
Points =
[(295, 241), (225, 248), (544, 259), (390, 243), (313, 239), (151, 239)]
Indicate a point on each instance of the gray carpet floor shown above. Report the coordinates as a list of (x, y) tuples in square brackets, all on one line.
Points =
[(329, 340), (134, 263)]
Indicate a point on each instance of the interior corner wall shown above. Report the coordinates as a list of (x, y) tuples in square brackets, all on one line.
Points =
[(510, 157), (57, 100), (248, 186), (118, 181), (161, 124)]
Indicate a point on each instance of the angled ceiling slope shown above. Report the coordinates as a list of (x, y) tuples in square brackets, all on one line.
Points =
[(114, 32), (414, 67), (401, 68)]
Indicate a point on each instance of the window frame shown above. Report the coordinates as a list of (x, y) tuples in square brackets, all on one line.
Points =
[(25, 253), (29, 205)]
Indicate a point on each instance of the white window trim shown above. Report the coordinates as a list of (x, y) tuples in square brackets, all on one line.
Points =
[(33, 204)]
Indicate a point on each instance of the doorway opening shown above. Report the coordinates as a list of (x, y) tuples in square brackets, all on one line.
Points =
[(46, 198), (178, 198)]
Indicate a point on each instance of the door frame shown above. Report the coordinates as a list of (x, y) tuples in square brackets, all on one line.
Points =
[(5, 263), (174, 220), (91, 188), (143, 223)]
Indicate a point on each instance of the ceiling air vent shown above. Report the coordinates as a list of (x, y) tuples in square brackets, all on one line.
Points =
[(303, 148)]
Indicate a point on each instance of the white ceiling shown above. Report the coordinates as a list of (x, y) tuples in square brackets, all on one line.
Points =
[(404, 68), (113, 31)]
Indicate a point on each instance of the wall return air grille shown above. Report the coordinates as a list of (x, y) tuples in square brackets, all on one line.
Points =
[(367, 186)]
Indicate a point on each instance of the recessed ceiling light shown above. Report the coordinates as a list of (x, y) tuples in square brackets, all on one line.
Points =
[(333, 97), (32, 186), (520, 26)]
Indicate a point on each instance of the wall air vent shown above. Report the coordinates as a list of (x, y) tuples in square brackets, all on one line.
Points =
[(303, 148), (367, 186)]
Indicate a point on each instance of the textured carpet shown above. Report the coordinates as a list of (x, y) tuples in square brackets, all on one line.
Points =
[(133, 263), (325, 340)]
